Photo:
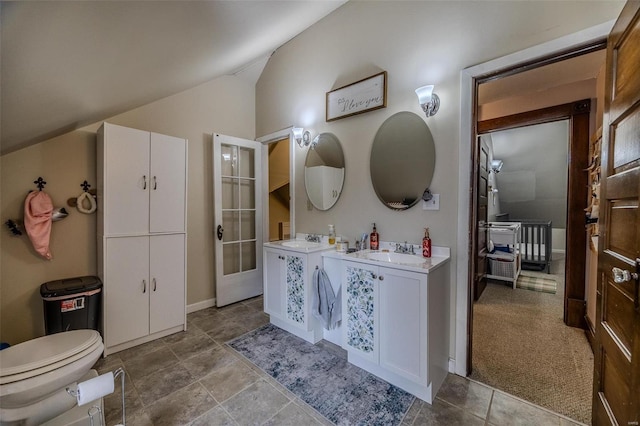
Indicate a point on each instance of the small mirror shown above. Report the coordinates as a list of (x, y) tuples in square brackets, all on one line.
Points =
[(403, 157), (324, 171)]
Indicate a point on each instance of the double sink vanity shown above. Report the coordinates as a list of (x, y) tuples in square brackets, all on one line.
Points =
[(395, 307)]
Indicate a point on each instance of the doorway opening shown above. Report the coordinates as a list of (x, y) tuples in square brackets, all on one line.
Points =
[(570, 308), (279, 190)]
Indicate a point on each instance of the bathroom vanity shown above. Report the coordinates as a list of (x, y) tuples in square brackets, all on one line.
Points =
[(395, 317), (288, 270), (395, 308)]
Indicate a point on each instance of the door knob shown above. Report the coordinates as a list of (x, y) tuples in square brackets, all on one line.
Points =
[(622, 275), (220, 231)]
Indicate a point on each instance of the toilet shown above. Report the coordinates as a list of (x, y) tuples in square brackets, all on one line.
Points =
[(34, 375)]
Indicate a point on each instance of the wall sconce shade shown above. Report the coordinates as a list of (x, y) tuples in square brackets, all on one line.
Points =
[(302, 137), (429, 101), (496, 165)]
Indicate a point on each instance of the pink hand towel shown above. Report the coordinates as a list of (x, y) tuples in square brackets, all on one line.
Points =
[(38, 209)]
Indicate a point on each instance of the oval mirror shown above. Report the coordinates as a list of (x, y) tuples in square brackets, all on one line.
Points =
[(324, 171), (403, 157)]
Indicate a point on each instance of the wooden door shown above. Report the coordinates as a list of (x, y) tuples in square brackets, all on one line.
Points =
[(483, 205), (360, 326), (403, 323), (126, 180), (237, 208), (616, 398), (274, 277), (167, 282), (168, 182), (126, 289)]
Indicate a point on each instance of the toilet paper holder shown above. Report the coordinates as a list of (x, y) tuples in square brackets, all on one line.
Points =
[(99, 392)]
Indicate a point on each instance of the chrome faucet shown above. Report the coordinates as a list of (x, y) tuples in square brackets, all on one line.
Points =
[(404, 248), (312, 238), (361, 244)]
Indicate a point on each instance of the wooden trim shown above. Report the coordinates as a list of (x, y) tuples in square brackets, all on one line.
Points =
[(578, 115), (590, 333)]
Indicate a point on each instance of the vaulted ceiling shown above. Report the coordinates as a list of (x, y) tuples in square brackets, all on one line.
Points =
[(66, 64)]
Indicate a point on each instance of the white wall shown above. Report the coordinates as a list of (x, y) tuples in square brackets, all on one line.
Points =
[(416, 43), (534, 178), (225, 105)]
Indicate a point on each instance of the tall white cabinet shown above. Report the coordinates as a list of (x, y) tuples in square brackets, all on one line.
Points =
[(142, 182)]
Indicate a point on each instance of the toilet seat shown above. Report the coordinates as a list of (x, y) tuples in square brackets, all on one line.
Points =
[(45, 354)]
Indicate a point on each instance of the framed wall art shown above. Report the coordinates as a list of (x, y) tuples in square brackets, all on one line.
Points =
[(365, 95)]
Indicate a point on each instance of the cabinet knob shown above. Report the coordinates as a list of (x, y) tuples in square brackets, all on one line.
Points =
[(381, 278), (374, 276)]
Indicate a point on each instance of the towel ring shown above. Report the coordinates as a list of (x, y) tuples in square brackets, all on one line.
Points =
[(80, 201)]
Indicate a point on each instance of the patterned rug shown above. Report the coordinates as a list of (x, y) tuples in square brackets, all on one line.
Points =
[(341, 392), (530, 281)]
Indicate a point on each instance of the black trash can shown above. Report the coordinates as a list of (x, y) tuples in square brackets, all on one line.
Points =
[(71, 304)]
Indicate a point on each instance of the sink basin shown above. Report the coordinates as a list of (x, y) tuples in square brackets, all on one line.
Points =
[(300, 244), (406, 259)]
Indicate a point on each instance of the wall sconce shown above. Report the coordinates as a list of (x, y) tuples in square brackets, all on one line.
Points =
[(302, 137), (429, 101), (496, 165)]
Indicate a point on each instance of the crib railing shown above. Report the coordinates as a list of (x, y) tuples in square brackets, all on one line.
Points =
[(535, 243)]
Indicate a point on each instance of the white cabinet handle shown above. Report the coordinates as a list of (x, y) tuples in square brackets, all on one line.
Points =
[(154, 284), (144, 286)]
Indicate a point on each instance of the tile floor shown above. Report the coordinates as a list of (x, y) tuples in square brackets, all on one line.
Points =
[(193, 378)]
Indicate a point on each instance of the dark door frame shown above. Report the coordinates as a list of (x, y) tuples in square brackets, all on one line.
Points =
[(577, 193), (476, 80)]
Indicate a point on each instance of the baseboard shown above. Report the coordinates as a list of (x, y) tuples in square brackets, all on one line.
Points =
[(209, 303), (590, 332), (575, 313)]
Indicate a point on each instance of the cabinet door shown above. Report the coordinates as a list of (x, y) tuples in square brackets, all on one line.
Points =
[(273, 282), (126, 180), (403, 323), (295, 289), (167, 274), (167, 184), (126, 289), (360, 310)]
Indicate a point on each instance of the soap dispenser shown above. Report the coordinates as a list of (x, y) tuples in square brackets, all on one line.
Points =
[(426, 244), (332, 235), (374, 239)]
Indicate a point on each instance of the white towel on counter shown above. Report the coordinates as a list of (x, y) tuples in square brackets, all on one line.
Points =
[(326, 305)]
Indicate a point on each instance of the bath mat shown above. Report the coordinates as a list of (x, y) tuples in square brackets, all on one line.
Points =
[(341, 392), (536, 283)]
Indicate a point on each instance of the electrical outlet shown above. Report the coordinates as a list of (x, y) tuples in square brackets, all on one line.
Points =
[(432, 204)]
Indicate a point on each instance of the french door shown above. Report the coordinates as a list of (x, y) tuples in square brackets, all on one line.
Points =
[(237, 207)]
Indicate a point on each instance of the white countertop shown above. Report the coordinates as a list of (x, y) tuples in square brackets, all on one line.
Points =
[(439, 256), (312, 249)]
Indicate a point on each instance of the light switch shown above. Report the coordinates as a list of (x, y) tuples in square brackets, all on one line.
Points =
[(432, 204)]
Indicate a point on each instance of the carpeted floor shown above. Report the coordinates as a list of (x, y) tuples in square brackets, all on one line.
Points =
[(340, 391), (521, 346)]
